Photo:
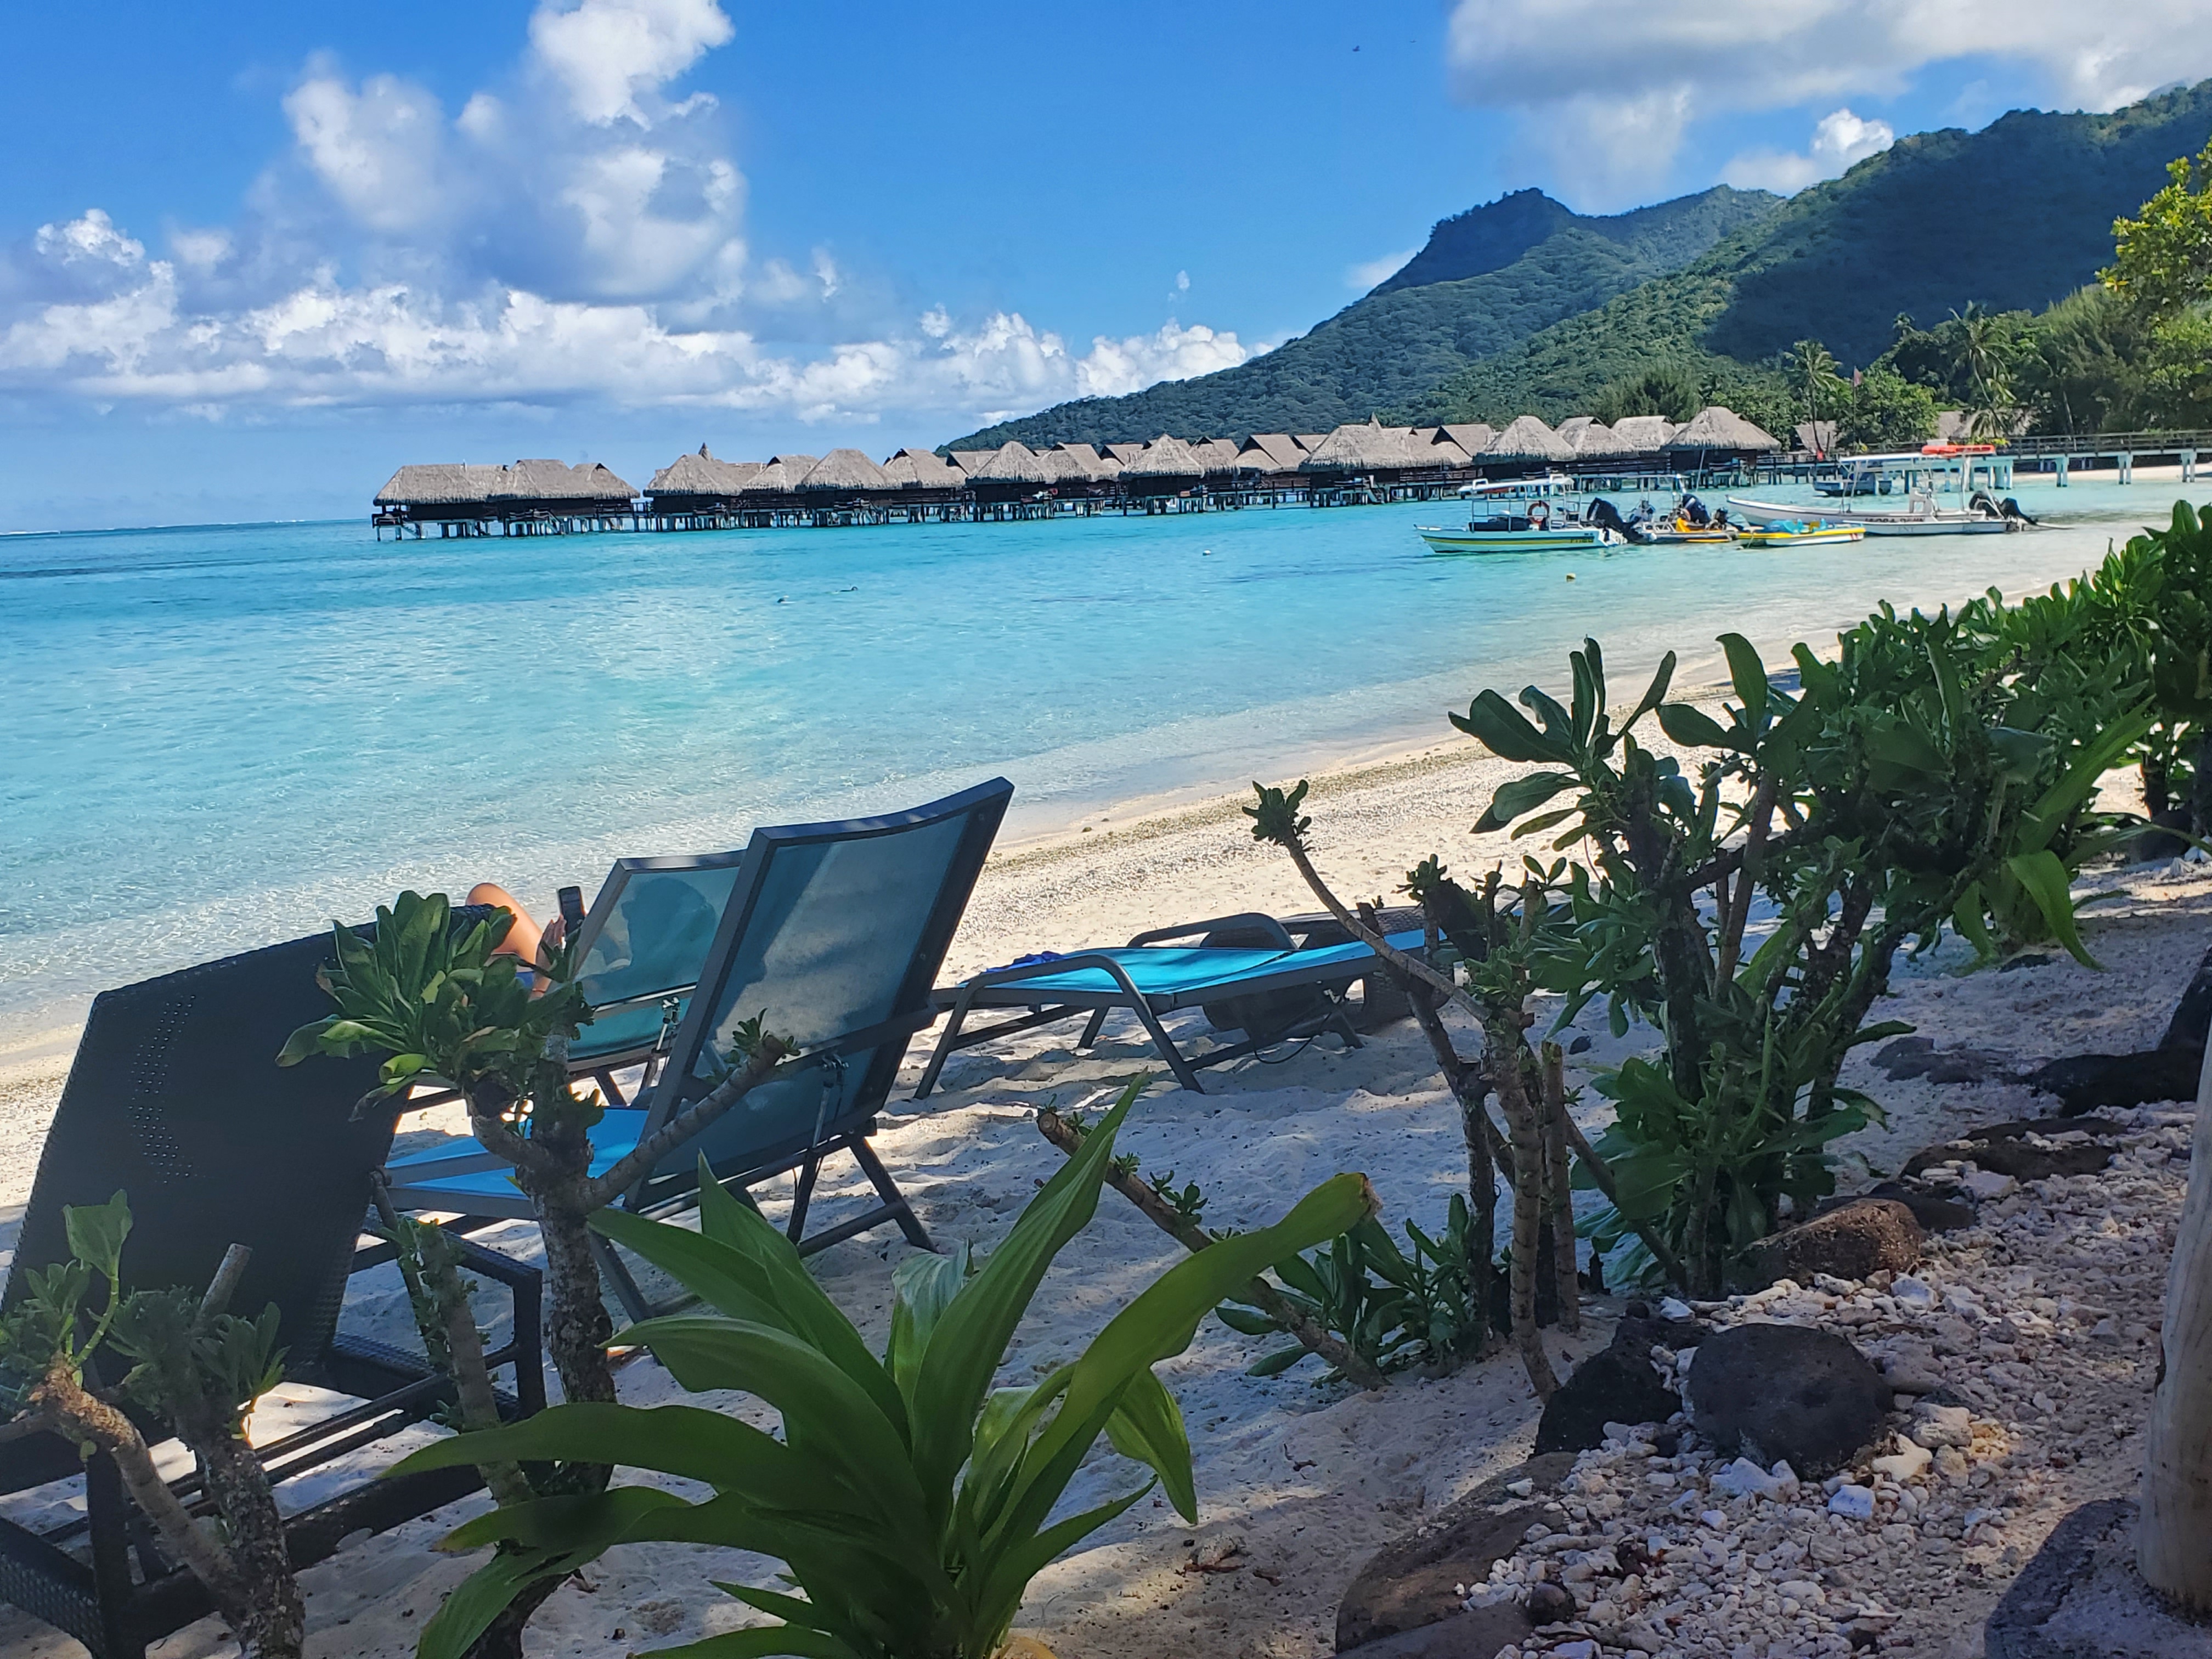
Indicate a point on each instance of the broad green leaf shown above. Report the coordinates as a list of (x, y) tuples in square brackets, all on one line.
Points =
[(97, 1232), (1748, 676), (1276, 1364), (1506, 733), (763, 1642), (470, 1606), (1691, 726), (1968, 917), (1148, 1427), (1657, 692), (2044, 879), (1526, 793), (922, 1287)]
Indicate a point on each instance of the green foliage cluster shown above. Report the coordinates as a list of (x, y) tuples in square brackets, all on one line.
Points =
[(911, 1500), (1488, 280), (1938, 771)]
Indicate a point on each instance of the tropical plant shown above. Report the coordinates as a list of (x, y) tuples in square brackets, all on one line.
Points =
[(197, 1368), (1813, 378), (1885, 411), (909, 1499), (2162, 258), (1668, 389)]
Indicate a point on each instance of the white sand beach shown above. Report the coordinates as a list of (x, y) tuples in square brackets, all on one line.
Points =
[(1304, 1480)]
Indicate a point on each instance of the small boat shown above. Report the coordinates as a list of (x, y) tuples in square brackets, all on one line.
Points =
[(1981, 516), (1533, 532), (1681, 532), (1800, 532)]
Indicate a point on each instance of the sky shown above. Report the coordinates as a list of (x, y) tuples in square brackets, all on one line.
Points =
[(253, 256)]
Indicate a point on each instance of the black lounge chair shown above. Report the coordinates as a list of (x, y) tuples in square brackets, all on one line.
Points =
[(175, 1098), (1274, 980), (835, 934)]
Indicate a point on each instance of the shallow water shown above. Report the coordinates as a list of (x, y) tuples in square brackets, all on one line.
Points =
[(220, 737)]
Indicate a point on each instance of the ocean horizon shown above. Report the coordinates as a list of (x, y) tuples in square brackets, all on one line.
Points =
[(225, 735)]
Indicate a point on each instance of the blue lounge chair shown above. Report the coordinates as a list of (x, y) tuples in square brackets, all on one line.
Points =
[(175, 1098), (833, 934), (1243, 961)]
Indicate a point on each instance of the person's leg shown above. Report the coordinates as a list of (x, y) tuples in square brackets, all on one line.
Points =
[(525, 937)]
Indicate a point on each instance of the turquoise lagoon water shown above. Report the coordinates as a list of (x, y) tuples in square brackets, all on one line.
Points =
[(220, 737)]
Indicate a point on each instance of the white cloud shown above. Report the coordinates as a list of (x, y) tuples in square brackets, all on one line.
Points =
[(1841, 139), (359, 273), (1361, 277), (1544, 59)]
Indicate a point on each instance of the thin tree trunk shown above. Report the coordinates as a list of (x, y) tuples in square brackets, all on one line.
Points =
[(2174, 1543), (1505, 1051), (1259, 1293), (1555, 1184)]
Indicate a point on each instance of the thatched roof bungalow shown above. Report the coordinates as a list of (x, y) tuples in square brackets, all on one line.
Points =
[(459, 490), (1124, 453), (1217, 456), (923, 468), (1164, 467), (780, 476), (1372, 448), (1076, 466), (970, 461), (1720, 430), (1594, 440), (1266, 453), (1646, 435), (1442, 451), (1526, 439), (1012, 463), (845, 472), (698, 483), (1474, 437)]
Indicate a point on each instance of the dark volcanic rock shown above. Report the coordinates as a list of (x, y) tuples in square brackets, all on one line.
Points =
[(1912, 1056), (1614, 1385), (1410, 1583), (1783, 1392), (1853, 1241), (2081, 1597), (2086, 1083), (1466, 1633), (1934, 1214), (2192, 1015), (2010, 1148)]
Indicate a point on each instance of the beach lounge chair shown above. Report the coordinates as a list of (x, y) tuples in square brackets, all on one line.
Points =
[(175, 1098), (833, 933), (1237, 972)]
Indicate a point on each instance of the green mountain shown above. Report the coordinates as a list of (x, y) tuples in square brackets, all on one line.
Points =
[(2016, 216), (1488, 280)]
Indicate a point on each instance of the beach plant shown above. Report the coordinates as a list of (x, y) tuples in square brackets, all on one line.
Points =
[(910, 1501), (196, 1367)]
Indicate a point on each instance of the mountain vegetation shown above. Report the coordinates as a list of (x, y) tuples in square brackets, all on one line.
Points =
[(1488, 279), (1963, 266), (2012, 219)]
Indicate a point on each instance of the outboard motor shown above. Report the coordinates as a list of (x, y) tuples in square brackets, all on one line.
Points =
[(1604, 515)]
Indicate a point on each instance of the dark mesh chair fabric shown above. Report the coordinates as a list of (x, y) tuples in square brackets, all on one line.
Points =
[(175, 1098)]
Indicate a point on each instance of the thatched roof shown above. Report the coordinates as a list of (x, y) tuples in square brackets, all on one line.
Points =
[(1721, 428), (1527, 438), (1366, 448), (1079, 464), (1012, 463), (700, 475), (923, 468), (1309, 441), (1164, 458), (1124, 453), (1474, 438), (455, 483), (846, 471), (970, 461), (1644, 434), (1216, 455), (1270, 452), (1594, 440), (1573, 424), (1442, 452), (780, 476)]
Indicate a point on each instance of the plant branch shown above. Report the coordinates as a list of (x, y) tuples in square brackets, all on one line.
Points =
[(643, 1158), (1259, 1293)]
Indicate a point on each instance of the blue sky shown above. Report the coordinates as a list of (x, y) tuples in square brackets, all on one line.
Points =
[(262, 253)]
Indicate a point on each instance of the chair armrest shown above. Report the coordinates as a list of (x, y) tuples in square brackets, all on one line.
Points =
[(1267, 924)]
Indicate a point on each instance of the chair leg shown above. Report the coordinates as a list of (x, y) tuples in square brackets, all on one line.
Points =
[(945, 1047), (802, 1194), (1161, 1041), (1091, 1027), (887, 1189), (616, 1272), (107, 1512)]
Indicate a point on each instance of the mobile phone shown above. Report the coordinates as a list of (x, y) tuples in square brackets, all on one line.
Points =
[(572, 909)]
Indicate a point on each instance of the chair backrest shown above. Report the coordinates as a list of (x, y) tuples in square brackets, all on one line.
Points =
[(833, 930), (176, 1099), (645, 939)]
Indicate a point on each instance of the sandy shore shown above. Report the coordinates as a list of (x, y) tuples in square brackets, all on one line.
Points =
[(1308, 1479)]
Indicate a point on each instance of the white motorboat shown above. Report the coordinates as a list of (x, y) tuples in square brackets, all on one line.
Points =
[(1920, 516), (1538, 530)]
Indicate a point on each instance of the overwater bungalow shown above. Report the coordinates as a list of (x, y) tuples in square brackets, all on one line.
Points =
[(844, 472), (529, 497), (1010, 472), (1269, 454), (1165, 466), (1216, 457), (780, 477), (1593, 440), (1527, 442), (1646, 435), (923, 470), (697, 483), (1720, 431), (970, 461), (1078, 469), (1124, 453), (1474, 437), (1369, 450)]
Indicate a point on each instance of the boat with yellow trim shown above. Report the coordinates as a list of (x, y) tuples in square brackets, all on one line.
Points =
[(1799, 532)]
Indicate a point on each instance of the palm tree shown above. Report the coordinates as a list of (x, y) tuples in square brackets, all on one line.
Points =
[(1986, 356), (1812, 370)]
